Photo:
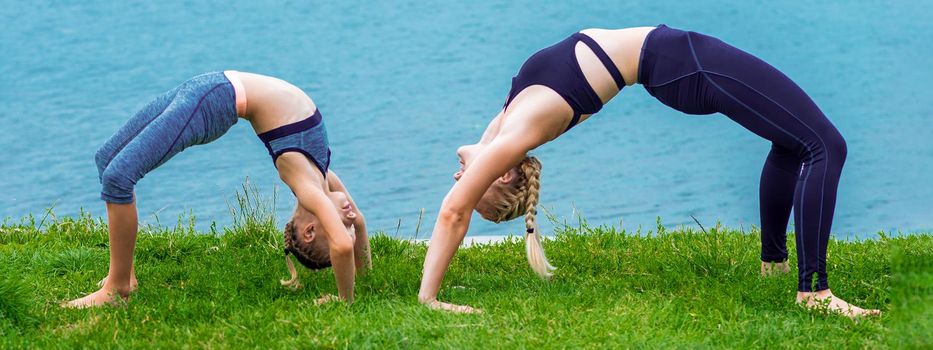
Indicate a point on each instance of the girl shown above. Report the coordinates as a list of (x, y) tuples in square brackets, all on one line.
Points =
[(562, 85), (197, 112), (313, 250)]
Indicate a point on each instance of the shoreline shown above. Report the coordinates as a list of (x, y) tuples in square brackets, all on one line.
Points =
[(470, 241)]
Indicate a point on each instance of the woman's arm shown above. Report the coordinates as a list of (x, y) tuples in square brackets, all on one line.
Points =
[(361, 249), (296, 171), (453, 220), (492, 129)]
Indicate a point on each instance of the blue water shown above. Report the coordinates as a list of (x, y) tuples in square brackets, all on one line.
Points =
[(401, 85)]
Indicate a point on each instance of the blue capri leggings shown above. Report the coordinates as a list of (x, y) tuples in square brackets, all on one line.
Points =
[(699, 74), (196, 112)]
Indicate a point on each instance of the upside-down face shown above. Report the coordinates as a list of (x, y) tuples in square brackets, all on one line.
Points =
[(308, 225), (487, 206)]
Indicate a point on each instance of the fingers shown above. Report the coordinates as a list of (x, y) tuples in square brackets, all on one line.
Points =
[(326, 298), (461, 309)]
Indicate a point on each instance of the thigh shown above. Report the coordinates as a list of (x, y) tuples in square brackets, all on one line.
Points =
[(133, 127), (759, 96), (155, 144)]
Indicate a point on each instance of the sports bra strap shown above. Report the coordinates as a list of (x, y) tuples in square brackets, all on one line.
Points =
[(603, 57)]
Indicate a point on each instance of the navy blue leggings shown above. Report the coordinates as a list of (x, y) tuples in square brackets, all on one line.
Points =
[(699, 74)]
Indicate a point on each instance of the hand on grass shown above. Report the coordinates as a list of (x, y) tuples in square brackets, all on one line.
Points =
[(773, 268), (326, 298), (460, 309)]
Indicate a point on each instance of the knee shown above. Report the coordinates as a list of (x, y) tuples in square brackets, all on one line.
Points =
[(101, 160), (836, 149), (116, 188)]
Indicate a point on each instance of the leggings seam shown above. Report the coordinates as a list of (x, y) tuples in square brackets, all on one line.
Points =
[(673, 80), (699, 68), (190, 115), (694, 53)]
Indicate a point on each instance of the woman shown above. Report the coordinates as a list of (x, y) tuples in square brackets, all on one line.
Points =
[(197, 112), (562, 85)]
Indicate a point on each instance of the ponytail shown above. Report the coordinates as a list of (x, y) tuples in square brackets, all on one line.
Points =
[(293, 282)]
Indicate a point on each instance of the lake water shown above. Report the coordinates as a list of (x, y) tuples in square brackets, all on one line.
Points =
[(402, 84)]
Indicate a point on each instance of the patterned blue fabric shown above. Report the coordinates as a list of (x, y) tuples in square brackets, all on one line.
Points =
[(196, 112)]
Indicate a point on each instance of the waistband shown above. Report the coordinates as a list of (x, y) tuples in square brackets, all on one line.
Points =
[(292, 128), (238, 90), (641, 56)]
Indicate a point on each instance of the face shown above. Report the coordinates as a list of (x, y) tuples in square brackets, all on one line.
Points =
[(465, 153), (485, 207), (344, 207), (308, 224)]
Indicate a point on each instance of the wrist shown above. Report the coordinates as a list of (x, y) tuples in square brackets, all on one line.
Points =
[(427, 300)]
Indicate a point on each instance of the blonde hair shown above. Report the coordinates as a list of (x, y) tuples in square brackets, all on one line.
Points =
[(312, 255), (520, 197)]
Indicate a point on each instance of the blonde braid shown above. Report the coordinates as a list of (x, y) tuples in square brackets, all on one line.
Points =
[(534, 250), (292, 283)]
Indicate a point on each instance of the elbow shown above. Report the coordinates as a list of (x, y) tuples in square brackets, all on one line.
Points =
[(452, 216), (341, 249)]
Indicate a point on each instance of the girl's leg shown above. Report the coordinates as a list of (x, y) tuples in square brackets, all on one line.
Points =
[(132, 128), (176, 126), (122, 220)]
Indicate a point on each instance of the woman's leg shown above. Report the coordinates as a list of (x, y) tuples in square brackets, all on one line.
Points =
[(776, 194), (766, 102)]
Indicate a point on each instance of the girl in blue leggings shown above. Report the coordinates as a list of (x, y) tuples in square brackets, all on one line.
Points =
[(562, 85), (327, 228)]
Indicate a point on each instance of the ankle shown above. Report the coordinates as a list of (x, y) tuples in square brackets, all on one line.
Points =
[(817, 295), (823, 294), (122, 289)]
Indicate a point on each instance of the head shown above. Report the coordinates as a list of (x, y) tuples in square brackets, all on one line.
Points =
[(512, 195), (304, 239)]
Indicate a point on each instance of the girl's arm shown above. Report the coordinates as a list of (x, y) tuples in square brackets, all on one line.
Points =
[(296, 171), (361, 249), (501, 155)]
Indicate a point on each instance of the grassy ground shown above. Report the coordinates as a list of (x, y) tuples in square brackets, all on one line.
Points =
[(660, 289)]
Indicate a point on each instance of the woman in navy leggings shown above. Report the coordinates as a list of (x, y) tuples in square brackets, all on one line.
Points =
[(565, 83)]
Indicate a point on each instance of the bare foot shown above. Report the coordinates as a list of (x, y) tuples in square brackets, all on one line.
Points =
[(825, 300), (771, 268), (133, 283), (102, 297), (460, 309)]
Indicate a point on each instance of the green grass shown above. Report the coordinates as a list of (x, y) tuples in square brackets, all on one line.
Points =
[(613, 289)]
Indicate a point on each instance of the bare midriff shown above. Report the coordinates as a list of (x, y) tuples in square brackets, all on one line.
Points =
[(272, 102), (623, 46), (239, 91)]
